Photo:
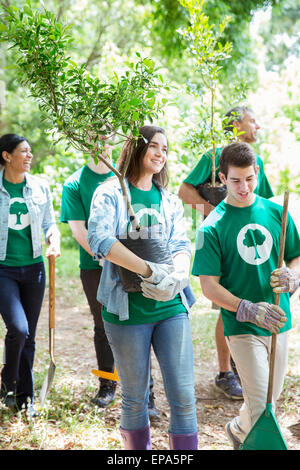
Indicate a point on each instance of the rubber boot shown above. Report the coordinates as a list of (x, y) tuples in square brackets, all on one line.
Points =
[(183, 441), (138, 439)]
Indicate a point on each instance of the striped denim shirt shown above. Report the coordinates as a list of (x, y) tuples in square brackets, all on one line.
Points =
[(108, 219), (38, 199)]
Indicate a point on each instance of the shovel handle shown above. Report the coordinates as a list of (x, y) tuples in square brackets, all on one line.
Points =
[(277, 296), (51, 291)]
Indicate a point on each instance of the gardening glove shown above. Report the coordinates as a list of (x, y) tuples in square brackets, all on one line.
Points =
[(159, 272), (169, 286), (262, 314), (284, 280)]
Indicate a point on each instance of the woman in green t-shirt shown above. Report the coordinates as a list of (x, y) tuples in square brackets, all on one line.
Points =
[(25, 210), (157, 316)]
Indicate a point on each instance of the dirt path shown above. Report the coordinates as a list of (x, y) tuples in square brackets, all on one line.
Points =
[(75, 355)]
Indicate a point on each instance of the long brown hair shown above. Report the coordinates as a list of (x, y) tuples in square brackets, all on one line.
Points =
[(139, 149)]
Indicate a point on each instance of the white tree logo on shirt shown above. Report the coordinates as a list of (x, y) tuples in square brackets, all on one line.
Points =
[(18, 218), (254, 244)]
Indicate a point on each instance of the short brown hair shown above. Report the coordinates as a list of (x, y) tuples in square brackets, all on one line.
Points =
[(238, 154), (140, 147)]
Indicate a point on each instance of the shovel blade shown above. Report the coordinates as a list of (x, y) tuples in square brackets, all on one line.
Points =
[(47, 383), (265, 434)]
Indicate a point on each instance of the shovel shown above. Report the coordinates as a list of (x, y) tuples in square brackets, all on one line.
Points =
[(266, 434), (49, 378)]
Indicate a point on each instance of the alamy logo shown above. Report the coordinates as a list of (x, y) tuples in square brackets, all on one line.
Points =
[(254, 244), (147, 216), (18, 218)]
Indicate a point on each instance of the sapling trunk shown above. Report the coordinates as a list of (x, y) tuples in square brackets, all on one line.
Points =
[(212, 130), (121, 178)]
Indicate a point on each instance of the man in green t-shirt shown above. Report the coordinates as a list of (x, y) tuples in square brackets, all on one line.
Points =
[(243, 119), (236, 259)]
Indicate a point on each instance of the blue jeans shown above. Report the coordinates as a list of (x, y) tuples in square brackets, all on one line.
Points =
[(21, 296), (172, 344)]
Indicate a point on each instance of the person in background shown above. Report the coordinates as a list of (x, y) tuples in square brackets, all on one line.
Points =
[(158, 316), (77, 194), (243, 119), (236, 259), (26, 211)]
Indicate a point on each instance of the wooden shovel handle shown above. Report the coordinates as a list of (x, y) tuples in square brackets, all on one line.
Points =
[(51, 291), (277, 296)]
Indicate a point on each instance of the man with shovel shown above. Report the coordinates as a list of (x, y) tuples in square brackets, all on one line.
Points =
[(236, 259), (243, 119)]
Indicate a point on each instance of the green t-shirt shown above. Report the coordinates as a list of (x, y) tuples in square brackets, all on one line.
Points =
[(241, 246), (146, 205), (19, 250), (202, 173), (76, 200)]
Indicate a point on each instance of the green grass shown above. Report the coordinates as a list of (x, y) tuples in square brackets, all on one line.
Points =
[(203, 331)]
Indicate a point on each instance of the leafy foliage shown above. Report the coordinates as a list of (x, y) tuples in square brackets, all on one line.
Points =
[(107, 34), (170, 15), (208, 52), (75, 102), (78, 105), (281, 33)]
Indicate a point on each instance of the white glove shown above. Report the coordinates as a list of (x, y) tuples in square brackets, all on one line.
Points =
[(159, 272), (284, 280), (170, 286), (262, 314)]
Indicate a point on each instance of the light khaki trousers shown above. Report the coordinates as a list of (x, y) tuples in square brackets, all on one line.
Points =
[(251, 356)]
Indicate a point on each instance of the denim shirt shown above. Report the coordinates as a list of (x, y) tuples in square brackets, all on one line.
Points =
[(38, 199), (108, 219)]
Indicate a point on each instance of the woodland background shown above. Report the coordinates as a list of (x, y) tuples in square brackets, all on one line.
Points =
[(264, 70)]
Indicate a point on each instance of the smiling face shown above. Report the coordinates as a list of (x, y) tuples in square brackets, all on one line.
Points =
[(248, 126), (156, 155), (240, 183), (19, 160)]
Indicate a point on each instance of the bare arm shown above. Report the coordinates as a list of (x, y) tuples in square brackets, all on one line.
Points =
[(189, 194), (212, 289), (80, 233), (120, 255), (294, 264)]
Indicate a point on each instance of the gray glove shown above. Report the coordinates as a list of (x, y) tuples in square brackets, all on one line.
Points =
[(169, 286), (262, 314), (284, 280), (159, 272)]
